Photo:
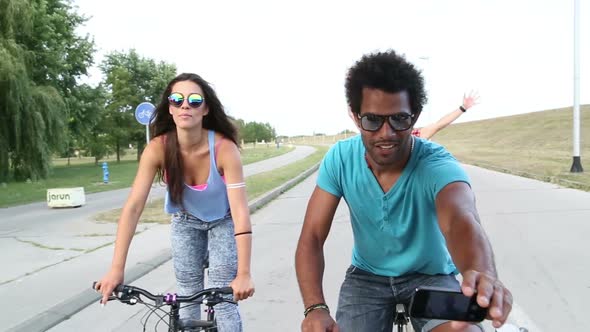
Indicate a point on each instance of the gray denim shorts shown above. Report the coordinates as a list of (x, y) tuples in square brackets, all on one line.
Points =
[(367, 301)]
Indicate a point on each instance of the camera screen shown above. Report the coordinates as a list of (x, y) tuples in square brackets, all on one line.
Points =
[(442, 304), (452, 306)]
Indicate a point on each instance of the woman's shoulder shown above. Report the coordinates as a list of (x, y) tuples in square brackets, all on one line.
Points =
[(158, 142), (155, 149), (221, 140), (225, 147)]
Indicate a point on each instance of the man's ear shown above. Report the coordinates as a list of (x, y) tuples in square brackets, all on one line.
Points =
[(353, 117)]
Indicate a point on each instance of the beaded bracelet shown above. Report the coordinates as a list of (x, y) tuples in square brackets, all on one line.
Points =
[(316, 306)]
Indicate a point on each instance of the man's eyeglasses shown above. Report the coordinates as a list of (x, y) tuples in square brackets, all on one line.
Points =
[(398, 122), (195, 100)]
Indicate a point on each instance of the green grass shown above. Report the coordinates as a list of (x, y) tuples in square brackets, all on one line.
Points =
[(535, 145), (260, 152), (256, 185), (89, 176), (259, 184), (129, 154)]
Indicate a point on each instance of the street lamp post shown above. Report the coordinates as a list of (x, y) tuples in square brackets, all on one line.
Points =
[(577, 162), (427, 83)]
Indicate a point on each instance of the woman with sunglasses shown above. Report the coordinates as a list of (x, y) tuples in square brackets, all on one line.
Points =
[(430, 130), (194, 150)]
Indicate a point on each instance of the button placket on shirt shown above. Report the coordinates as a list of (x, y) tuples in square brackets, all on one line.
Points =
[(384, 210)]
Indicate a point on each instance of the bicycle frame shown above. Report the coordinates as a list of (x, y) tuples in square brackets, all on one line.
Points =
[(175, 323), (401, 318), (174, 318)]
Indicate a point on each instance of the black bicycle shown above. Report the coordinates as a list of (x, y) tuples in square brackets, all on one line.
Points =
[(210, 297)]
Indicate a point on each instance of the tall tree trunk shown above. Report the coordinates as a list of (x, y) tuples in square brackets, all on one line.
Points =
[(4, 166), (118, 151)]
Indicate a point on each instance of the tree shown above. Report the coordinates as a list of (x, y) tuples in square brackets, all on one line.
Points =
[(256, 132), (86, 125), (239, 124), (130, 80), (59, 55), (40, 59)]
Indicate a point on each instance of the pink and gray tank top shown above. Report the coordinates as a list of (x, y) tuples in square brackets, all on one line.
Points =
[(208, 202)]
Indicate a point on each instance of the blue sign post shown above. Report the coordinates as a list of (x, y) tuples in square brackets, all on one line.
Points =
[(143, 113)]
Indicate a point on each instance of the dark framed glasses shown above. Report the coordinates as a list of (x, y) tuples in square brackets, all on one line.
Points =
[(398, 121), (194, 100)]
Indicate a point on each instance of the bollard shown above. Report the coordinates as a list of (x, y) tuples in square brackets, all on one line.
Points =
[(105, 172)]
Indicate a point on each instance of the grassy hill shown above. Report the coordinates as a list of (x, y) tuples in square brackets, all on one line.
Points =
[(536, 145)]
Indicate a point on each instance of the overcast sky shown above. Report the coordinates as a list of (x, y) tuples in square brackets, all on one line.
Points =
[(284, 62)]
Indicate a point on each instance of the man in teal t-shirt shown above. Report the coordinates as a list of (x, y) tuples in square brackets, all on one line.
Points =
[(412, 212), (395, 232)]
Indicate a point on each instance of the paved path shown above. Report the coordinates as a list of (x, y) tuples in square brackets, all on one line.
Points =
[(51, 254), (538, 231)]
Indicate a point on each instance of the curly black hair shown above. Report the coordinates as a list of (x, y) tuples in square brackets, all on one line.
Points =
[(385, 71)]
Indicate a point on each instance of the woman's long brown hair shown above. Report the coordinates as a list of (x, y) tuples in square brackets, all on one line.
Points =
[(162, 123)]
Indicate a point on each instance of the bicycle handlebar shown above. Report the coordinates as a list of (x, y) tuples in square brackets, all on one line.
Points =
[(127, 290)]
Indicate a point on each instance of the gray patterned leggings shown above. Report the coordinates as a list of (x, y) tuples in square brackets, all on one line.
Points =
[(191, 238)]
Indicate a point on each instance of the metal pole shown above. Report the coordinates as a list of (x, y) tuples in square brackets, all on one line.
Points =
[(147, 134), (577, 162), (428, 87)]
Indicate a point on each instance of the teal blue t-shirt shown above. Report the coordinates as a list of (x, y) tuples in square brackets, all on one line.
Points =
[(395, 233)]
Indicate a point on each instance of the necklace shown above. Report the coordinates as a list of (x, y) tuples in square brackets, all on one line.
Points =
[(412, 146)]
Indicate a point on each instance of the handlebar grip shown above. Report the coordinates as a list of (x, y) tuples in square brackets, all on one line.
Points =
[(117, 289), (226, 290)]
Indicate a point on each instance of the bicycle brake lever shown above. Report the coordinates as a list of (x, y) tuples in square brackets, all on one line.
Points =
[(129, 301), (126, 298)]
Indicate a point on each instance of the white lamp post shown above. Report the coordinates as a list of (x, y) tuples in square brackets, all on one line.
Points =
[(577, 162), (427, 83)]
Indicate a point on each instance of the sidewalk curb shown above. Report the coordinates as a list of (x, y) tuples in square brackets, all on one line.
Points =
[(66, 309), (269, 196)]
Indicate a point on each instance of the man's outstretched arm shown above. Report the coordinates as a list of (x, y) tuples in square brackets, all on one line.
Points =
[(471, 250)]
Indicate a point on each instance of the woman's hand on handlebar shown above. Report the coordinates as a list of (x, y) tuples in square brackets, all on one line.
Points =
[(107, 284), (319, 321), (243, 287)]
